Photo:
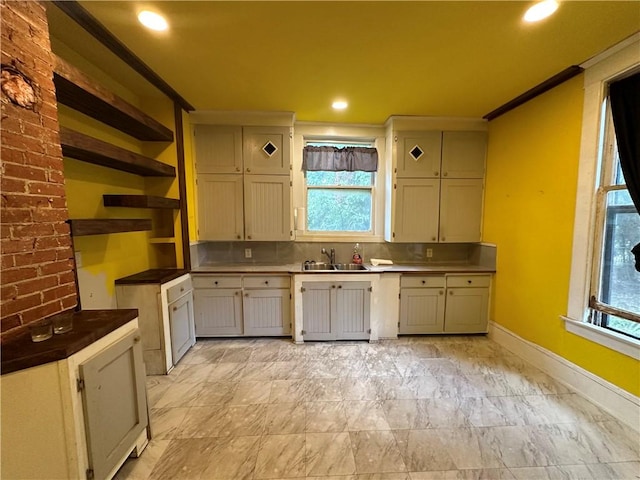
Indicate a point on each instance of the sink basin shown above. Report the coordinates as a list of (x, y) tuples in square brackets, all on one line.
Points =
[(349, 266), (317, 266)]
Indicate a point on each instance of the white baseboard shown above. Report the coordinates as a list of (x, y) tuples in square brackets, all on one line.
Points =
[(617, 402)]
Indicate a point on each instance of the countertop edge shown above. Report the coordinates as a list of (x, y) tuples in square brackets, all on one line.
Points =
[(297, 269)]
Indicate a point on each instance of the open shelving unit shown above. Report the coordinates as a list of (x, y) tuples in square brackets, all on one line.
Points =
[(80, 92)]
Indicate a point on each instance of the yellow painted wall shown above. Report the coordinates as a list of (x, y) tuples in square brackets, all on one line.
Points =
[(532, 171)]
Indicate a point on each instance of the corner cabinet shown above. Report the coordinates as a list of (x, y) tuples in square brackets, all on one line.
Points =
[(442, 172), (80, 417), (243, 183), (444, 303)]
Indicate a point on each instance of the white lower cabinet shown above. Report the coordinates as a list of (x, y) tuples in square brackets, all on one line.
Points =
[(444, 303), (80, 417), (336, 310), (235, 305)]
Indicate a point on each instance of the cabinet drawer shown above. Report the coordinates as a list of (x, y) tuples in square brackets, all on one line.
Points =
[(216, 281), (267, 281), (177, 291), (417, 281), (468, 280)]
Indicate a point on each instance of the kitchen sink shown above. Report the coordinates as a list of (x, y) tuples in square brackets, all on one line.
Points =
[(328, 267), (349, 266), (317, 266)]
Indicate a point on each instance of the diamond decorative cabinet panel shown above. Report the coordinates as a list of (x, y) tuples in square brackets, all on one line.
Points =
[(418, 154), (266, 150)]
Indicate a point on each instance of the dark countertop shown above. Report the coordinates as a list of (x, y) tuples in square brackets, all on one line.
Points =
[(19, 352), (156, 275)]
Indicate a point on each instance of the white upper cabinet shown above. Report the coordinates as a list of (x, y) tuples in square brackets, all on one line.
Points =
[(460, 210), (266, 150), (220, 207), (416, 210), (418, 154), (218, 149), (463, 154), (267, 207)]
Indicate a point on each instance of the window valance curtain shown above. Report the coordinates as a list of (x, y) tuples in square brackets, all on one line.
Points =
[(334, 159)]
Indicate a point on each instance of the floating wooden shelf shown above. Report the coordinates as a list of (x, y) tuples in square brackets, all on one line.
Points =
[(91, 150), (96, 226), (78, 91), (140, 201)]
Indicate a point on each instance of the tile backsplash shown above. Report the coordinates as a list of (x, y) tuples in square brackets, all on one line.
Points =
[(216, 253)]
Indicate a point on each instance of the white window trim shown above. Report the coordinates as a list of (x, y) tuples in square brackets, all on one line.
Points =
[(598, 72), (304, 131)]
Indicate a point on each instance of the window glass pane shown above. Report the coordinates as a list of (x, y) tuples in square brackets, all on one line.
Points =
[(338, 210), (623, 326), (619, 284), (343, 179), (618, 177)]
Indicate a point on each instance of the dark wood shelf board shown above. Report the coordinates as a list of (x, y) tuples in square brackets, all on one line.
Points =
[(91, 150), (96, 226), (140, 201), (76, 90)]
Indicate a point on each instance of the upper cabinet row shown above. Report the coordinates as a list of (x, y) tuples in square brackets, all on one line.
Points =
[(243, 183), (437, 184)]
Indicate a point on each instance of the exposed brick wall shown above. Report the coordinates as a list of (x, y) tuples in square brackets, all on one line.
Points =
[(36, 276)]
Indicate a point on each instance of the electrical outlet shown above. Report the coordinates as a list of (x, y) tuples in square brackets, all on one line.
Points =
[(429, 252), (247, 253)]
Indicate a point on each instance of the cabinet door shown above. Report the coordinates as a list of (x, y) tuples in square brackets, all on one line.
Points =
[(353, 301), (218, 312), (267, 312), (114, 402), (266, 150), (220, 207), (421, 310), (466, 310), (463, 154), (318, 311), (218, 149), (416, 210), (418, 154), (267, 207), (182, 328), (460, 210)]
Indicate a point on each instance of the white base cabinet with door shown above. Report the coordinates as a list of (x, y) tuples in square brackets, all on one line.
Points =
[(80, 417), (166, 320), (338, 310), (444, 303), (236, 305)]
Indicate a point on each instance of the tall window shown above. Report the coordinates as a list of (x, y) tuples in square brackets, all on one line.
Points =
[(615, 286), (339, 201)]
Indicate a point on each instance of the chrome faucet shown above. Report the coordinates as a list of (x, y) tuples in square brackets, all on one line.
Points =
[(332, 255)]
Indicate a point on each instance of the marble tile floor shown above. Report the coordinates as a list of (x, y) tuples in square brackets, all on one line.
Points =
[(416, 408)]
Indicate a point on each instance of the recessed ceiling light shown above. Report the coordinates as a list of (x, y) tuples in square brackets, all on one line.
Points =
[(339, 105), (152, 20), (540, 10)]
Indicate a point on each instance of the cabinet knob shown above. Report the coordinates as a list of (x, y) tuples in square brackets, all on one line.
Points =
[(246, 294), (445, 174), (215, 283), (333, 286), (175, 308), (339, 286), (182, 289), (266, 282), (248, 170), (441, 292), (469, 281), (424, 281), (435, 173), (249, 237), (443, 239), (136, 339), (433, 239), (238, 237), (237, 169), (450, 292)]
